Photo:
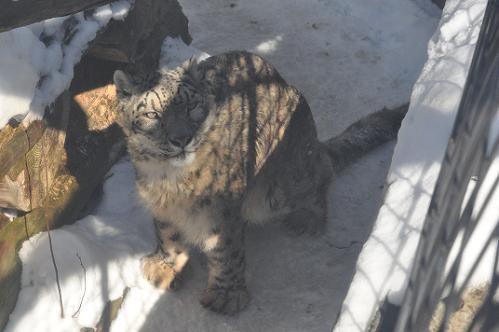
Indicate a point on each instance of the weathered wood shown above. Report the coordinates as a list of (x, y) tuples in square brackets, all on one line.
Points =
[(154, 19), (14, 233), (24, 154), (23, 12), (15, 142), (34, 155), (3, 220)]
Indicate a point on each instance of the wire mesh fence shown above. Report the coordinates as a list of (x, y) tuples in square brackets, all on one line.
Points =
[(466, 190)]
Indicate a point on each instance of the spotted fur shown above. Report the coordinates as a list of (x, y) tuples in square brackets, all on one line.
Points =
[(217, 145)]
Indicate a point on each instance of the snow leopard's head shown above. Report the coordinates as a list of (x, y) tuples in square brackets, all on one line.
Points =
[(164, 116)]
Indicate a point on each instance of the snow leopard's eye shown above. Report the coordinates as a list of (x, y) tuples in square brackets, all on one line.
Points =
[(152, 115)]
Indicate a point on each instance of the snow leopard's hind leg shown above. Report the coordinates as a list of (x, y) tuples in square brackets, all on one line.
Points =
[(307, 195)]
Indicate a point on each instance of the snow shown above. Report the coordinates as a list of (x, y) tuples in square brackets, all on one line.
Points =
[(9, 213), (349, 58), (174, 52), (110, 244), (16, 48), (386, 259), (42, 58)]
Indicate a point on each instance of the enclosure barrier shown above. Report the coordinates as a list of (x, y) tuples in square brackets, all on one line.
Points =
[(454, 211)]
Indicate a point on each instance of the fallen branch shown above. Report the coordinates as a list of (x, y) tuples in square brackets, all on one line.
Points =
[(56, 271), (77, 312)]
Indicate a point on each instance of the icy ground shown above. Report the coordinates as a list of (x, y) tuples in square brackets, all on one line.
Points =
[(349, 57)]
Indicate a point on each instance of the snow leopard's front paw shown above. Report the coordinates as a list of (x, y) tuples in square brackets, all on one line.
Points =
[(227, 301), (303, 222), (159, 272)]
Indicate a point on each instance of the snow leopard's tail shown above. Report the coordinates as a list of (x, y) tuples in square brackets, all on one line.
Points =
[(364, 135)]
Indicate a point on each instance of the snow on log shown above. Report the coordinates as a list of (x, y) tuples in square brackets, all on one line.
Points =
[(20, 13)]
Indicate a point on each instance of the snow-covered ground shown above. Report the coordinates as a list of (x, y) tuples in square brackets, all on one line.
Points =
[(349, 57), (109, 244)]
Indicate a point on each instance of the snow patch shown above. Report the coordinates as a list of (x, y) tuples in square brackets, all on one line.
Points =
[(268, 46), (11, 214), (109, 243), (174, 52), (37, 61), (18, 78)]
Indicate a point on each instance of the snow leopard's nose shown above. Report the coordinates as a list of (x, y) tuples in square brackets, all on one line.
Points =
[(180, 141)]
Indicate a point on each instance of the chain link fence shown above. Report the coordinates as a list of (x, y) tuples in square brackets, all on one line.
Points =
[(463, 193)]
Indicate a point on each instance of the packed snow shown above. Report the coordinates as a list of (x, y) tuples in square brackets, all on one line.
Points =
[(387, 257), (350, 58), (37, 61)]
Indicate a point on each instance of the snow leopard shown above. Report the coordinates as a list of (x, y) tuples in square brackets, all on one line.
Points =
[(226, 142)]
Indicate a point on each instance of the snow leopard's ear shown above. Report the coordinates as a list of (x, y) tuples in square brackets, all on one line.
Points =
[(125, 86), (189, 64), (190, 69)]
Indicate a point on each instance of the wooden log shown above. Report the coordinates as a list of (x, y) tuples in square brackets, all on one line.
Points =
[(15, 142), (19, 13), (38, 147)]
